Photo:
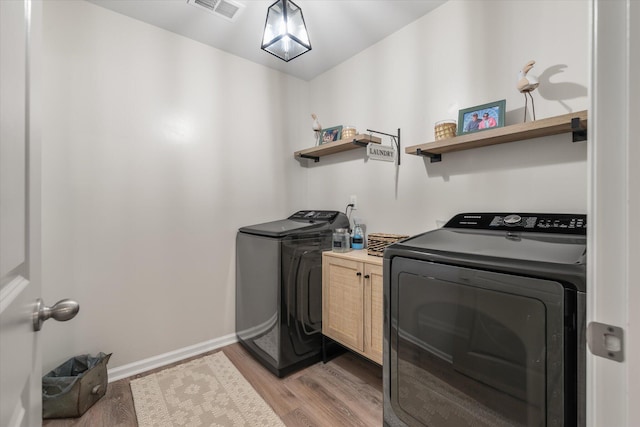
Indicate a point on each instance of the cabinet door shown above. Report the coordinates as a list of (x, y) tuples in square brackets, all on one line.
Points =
[(343, 301), (373, 312)]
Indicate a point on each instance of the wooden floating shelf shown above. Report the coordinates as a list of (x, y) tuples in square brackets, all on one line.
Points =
[(333, 147), (572, 122)]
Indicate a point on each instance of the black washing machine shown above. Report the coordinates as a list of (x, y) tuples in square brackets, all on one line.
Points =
[(279, 288), (485, 323)]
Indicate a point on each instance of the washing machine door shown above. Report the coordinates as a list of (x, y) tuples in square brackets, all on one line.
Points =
[(281, 228), (302, 289)]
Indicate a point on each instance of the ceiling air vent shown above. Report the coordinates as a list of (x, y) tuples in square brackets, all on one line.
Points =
[(227, 9)]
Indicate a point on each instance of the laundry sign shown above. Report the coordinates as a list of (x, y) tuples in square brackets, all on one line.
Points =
[(381, 152)]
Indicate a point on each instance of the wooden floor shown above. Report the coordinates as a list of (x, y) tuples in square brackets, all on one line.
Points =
[(347, 391)]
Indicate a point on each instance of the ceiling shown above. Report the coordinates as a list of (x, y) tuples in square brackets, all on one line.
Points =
[(338, 29)]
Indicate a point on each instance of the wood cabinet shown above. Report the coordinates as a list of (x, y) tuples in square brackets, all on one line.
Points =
[(352, 301)]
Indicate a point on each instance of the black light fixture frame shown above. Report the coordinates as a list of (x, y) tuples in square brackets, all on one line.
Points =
[(297, 40)]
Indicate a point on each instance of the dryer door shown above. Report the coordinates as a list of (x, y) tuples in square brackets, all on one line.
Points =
[(472, 347)]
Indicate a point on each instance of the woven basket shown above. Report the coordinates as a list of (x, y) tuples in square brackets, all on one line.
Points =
[(445, 129), (376, 242)]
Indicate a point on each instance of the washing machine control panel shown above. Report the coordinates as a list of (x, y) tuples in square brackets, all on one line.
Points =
[(314, 215), (538, 223)]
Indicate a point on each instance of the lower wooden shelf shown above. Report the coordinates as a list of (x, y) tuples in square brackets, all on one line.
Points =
[(333, 147)]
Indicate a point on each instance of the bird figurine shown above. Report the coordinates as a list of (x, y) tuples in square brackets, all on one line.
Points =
[(317, 128), (527, 83)]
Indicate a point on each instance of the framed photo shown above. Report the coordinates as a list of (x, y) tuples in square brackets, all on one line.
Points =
[(481, 117), (330, 134)]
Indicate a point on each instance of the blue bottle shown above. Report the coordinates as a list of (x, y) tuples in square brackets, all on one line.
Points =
[(357, 240)]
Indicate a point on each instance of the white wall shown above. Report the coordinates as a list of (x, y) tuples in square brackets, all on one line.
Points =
[(156, 149), (462, 54)]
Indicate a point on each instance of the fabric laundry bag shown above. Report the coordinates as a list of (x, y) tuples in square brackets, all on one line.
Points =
[(73, 387)]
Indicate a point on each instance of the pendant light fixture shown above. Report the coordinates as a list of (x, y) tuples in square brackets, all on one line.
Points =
[(285, 34)]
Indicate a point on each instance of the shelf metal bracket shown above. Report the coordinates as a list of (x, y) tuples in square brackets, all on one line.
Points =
[(395, 138), (432, 156), (359, 143), (315, 159), (578, 130)]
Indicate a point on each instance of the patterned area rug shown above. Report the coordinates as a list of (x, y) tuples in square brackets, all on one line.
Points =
[(208, 391)]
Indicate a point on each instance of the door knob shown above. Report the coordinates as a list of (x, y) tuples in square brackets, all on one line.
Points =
[(63, 310)]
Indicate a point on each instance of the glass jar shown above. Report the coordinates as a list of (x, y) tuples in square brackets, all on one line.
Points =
[(341, 240), (348, 132)]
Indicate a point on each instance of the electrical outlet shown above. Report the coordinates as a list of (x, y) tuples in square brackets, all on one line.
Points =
[(353, 199)]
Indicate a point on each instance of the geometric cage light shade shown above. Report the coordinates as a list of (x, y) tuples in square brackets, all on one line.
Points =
[(285, 33)]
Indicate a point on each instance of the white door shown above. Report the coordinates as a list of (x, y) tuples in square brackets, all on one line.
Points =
[(20, 361)]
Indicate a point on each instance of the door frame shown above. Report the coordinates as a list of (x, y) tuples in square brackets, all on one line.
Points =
[(613, 206)]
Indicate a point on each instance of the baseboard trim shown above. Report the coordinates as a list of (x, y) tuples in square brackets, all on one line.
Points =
[(144, 365)]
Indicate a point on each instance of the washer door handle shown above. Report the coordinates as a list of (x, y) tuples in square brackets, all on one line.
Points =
[(63, 310)]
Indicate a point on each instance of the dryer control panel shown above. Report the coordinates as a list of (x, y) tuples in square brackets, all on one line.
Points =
[(528, 222)]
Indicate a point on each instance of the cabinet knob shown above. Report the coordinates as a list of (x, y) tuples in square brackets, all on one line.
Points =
[(366, 276), (358, 274)]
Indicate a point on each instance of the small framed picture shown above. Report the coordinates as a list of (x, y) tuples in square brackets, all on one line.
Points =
[(330, 134), (481, 117)]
